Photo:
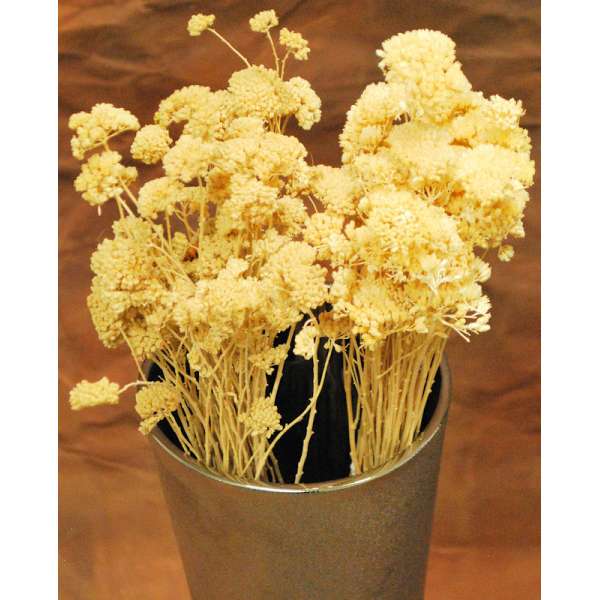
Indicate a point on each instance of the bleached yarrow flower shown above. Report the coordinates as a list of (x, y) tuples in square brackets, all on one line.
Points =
[(308, 109), (263, 21), (260, 92), (262, 419), (492, 121), (506, 252), (103, 177), (293, 271), (154, 402), (371, 118), (159, 195), (294, 43), (150, 144), (200, 23), (424, 62), (267, 359), (93, 129), (130, 298), (306, 341), (188, 159), (181, 104), (86, 394)]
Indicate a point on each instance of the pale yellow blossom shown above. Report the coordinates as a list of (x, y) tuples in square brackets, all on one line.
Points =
[(306, 341), (159, 195), (267, 359), (130, 299), (94, 129), (181, 104), (150, 144), (188, 159), (371, 118), (506, 252), (308, 109), (336, 188), (103, 178), (424, 62), (293, 42), (260, 92), (263, 21), (302, 286), (155, 402), (262, 419), (200, 23), (86, 394)]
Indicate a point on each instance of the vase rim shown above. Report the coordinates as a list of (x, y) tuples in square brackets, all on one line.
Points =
[(430, 431)]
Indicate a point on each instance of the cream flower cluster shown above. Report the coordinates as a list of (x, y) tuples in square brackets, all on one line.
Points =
[(103, 177), (216, 263), (401, 266), (95, 128), (264, 21), (86, 394), (431, 172), (130, 300), (263, 419), (227, 309), (446, 143), (199, 23), (294, 43), (151, 143), (424, 63), (155, 402), (306, 341), (207, 258)]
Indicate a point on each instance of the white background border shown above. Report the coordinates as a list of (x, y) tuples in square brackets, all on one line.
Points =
[(570, 300), (28, 292)]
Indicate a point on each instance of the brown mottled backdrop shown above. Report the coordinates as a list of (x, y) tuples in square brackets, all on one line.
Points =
[(115, 536)]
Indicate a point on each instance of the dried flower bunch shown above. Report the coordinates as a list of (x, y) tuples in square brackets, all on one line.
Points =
[(217, 270)]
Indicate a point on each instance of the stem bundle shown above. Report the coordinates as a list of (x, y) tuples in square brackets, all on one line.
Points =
[(392, 382)]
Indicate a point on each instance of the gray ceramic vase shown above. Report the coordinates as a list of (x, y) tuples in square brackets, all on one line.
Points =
[(357, 538)]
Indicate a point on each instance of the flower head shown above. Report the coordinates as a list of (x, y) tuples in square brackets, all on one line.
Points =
[(424, 62), (150, 144), (181, 105), (308, 109), (262, 419), (200, 23), (160, 195), (260, 92), (130, 299), (306, 341), (263, 21), (103, 177), (94, 128), (86, 394), (267, 359), (188, 159), (506, 252), (154, 402), (371, 118), (293, 42)]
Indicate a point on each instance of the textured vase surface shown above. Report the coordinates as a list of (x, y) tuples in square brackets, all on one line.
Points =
[(357, 538)]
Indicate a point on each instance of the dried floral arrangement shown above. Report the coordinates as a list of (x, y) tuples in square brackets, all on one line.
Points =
[(244, 254)]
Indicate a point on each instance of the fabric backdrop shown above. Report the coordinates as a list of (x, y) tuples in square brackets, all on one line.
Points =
[(115, 535)]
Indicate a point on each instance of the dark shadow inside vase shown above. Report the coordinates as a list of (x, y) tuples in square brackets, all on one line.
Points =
[(328, 455)]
